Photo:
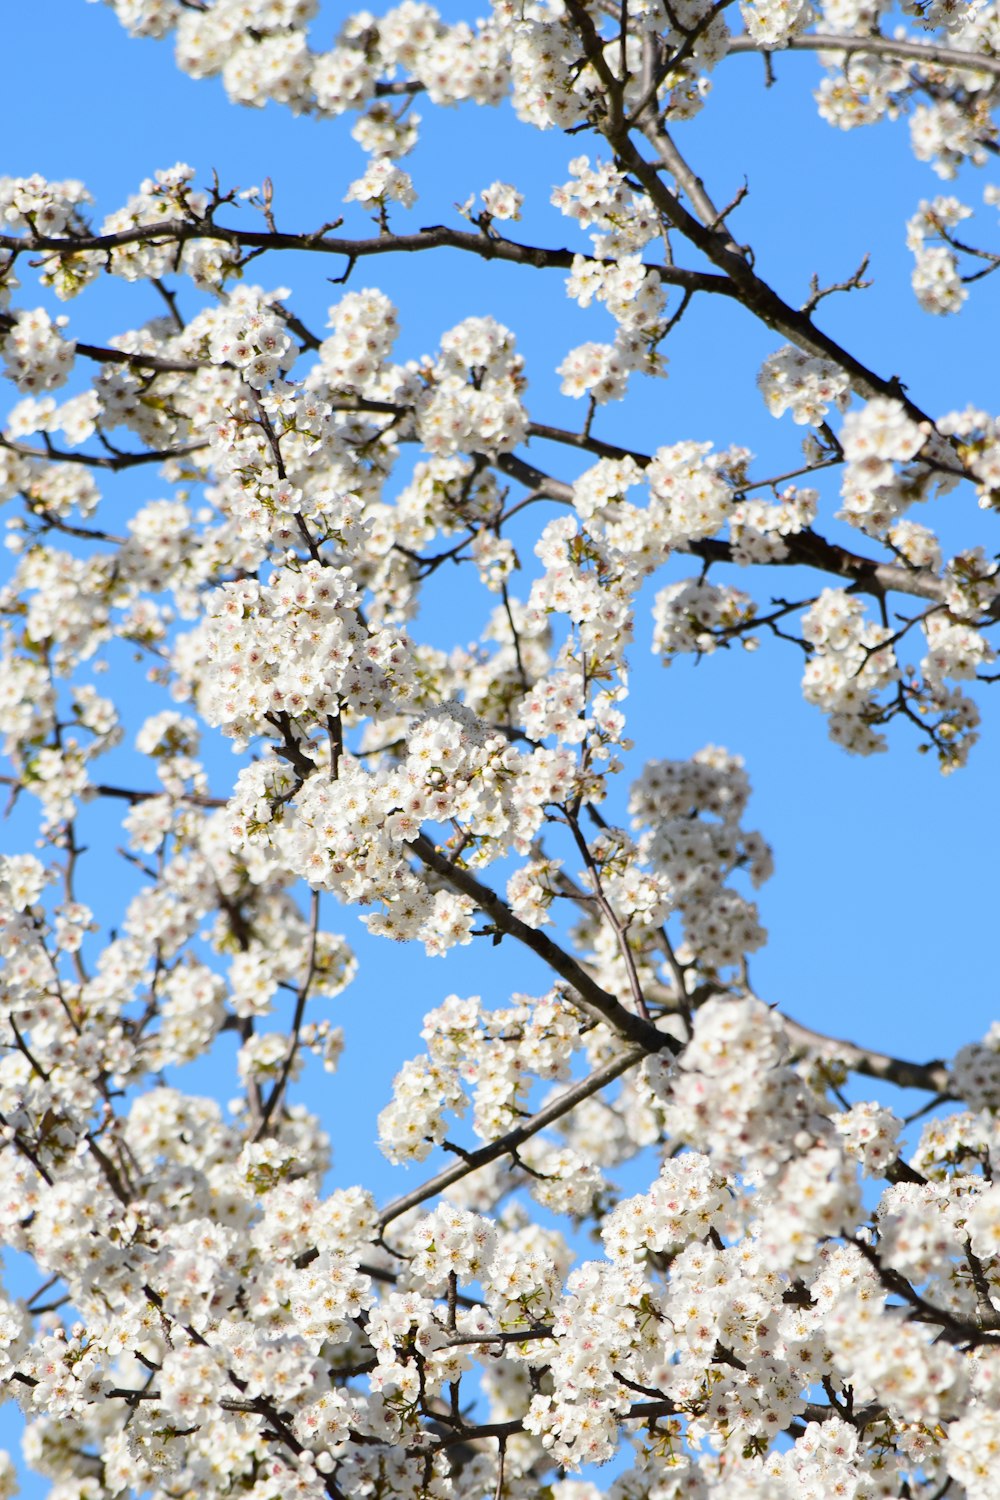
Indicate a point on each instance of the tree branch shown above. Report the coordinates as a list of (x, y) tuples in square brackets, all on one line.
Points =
[(516, 1137), (433, 237), (590, 997), (928, 54), (754, 293), (932, 1076)]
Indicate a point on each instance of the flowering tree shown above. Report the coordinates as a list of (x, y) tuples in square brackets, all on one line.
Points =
[(758, 1321)]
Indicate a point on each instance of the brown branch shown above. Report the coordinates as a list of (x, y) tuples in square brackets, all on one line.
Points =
[(672, 63), (618, 928), (590, 997), (106, 356), (541, 484), (955, 1330), (134, 796), (735, 262), (560, 1106), (114, 462), (468, 1432), (804, 549), (433, 237), (932, 1076), (584, 440), (929, 54), (301, 997)]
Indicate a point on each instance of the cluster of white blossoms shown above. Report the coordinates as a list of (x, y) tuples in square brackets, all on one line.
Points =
[(874, 439), (852, 661), (167, 197), (947, 136), (775, 22), (693, 616), (692, 489), (600, 199), (870, 1134), (688, 814), (955, 650), (491, 1054), (39, 205), (622, 223), (757, 528), (733, 1076), (688, 1198), (382, 183), (936, 278), (976, 1072), (794, 381), (630, 291), (502, 201), (350, 834), (249, 336), (592, 585), (601, 371), (647, 1219), (37, 356), (978, 435), (472, 392)]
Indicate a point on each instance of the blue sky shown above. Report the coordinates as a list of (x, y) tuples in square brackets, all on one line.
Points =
[(882, 909)]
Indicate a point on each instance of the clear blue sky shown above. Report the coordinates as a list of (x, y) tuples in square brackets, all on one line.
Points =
[(882, 908)]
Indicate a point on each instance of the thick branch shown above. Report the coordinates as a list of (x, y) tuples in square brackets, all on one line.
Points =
[(590, 997), (932, 1076)]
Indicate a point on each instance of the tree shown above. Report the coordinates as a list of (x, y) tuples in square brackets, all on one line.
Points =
[(802, 1296)]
